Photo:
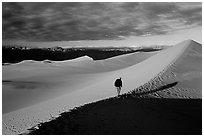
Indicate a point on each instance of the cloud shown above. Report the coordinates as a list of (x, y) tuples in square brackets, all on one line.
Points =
[(95, 21)]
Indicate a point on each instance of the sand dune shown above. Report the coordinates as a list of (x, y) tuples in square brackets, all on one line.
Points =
[(51, 88), (83, 58), (28, 62), (186, 69)]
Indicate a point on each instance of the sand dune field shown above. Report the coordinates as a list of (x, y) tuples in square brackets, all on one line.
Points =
[(35, 92)]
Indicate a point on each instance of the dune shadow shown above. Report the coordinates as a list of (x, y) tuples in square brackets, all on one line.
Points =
[(155, 90)]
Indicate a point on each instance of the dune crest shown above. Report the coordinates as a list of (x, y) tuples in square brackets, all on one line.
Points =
[(27, 62), (186, 70)]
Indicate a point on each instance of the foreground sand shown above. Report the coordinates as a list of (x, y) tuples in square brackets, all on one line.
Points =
[(36, 92), (129, 115)]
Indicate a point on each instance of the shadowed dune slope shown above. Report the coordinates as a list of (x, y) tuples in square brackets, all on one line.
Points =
[(129, 115)]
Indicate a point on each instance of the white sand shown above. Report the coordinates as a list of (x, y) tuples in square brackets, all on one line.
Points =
[(36, 92)]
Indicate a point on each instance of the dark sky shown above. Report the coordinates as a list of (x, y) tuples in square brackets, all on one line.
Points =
[(70, 21)]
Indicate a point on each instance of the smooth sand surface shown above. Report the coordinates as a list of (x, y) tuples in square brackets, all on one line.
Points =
[(51, 89)]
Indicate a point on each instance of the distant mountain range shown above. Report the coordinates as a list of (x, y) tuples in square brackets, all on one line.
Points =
[(14, 54)]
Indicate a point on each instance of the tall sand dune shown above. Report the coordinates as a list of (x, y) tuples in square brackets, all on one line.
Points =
[(185, 71), (36, 93)]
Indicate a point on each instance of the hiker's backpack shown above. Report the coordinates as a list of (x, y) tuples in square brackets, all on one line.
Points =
[(118, 83)]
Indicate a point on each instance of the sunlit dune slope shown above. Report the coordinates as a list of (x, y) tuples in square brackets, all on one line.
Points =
[(185, 71), (30, 82)]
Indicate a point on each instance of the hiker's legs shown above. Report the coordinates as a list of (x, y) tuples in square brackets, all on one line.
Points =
[(118, 90)]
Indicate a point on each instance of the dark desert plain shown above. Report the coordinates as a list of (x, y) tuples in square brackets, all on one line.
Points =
[(60, 61)]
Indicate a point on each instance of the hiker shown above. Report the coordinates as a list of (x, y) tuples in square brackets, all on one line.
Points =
[(118, 85)]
